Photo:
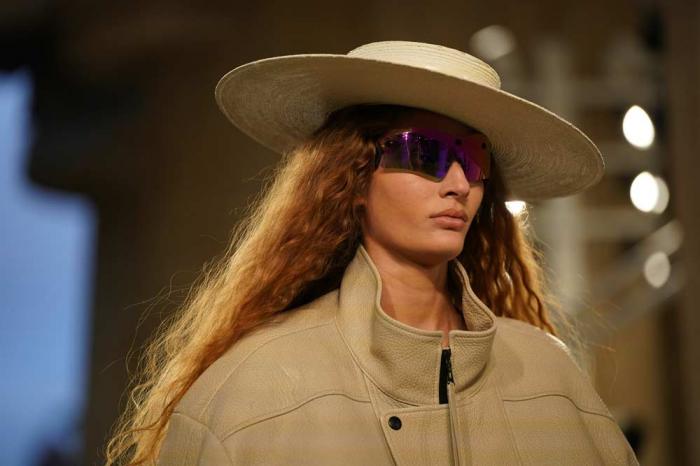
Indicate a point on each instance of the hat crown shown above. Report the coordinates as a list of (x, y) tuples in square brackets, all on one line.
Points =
[(432, 57)]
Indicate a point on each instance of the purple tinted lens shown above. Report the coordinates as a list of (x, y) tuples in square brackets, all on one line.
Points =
[(432, 153)]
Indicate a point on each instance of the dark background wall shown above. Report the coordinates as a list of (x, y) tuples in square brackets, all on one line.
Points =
[(123, 113)]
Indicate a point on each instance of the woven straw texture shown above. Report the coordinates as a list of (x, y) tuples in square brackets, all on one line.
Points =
[(279, 101)]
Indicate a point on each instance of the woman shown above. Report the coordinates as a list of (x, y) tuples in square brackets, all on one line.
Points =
[(380, 305)]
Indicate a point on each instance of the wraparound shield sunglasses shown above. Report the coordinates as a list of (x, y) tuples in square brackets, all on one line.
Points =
[(430, 153)]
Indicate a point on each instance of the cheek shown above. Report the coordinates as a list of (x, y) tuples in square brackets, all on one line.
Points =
[(396, 200), (475, 197)]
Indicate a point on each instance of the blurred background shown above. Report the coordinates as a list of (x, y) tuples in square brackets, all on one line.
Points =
[(120, 179)]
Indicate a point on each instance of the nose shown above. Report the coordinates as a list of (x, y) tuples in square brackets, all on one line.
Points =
[(455, 181)]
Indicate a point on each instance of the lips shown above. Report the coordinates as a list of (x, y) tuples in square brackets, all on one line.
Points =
[(454, 213), (453, 223)]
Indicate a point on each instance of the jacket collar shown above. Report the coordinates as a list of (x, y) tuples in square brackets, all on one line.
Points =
[(404, 361)]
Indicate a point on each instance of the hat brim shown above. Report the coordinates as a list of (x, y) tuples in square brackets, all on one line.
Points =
[(280, 101)]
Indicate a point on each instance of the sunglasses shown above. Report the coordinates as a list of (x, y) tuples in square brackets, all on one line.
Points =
[(430, 153)]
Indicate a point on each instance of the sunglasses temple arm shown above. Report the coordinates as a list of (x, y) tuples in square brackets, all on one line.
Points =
[(377, 155)]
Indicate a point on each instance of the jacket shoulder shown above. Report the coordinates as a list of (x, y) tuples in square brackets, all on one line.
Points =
[(275, 368), (533, 362), (520, 332)]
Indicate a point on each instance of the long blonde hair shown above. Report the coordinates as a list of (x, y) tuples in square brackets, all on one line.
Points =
[(293, 245)]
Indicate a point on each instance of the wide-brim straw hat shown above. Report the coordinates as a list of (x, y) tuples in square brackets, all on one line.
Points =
[(280, 101)]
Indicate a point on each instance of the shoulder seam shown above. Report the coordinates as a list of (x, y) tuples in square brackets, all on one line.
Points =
[(233, 369), (256, 420), (542, 395)]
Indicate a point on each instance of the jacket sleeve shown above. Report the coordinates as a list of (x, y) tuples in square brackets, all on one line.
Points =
[(189, 442), (610, 440), (600, 423)]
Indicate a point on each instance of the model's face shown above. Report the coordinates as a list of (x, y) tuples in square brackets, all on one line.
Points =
[(401, 207)]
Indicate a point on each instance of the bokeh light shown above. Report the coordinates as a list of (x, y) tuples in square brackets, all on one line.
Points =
[(638, 127)]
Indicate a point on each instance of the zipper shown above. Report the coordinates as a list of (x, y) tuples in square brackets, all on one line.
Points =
[(452, 408)]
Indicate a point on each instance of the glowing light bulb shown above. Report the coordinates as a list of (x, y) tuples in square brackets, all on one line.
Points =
[(638, 127), (644, 192)]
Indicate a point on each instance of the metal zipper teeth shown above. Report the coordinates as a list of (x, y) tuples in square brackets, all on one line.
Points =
[(452, 409)]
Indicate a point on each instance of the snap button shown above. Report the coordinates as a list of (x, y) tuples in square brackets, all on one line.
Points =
[(394, 422)]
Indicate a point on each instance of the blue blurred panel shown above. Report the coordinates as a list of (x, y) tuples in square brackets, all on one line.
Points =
[(46, 247)]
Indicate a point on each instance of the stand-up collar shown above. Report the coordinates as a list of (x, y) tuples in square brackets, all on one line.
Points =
[(404, 361)]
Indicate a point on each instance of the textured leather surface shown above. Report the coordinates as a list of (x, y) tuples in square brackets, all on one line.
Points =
[(320, 385)]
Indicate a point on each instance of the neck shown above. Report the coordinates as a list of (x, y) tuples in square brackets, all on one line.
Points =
[(416, 294)]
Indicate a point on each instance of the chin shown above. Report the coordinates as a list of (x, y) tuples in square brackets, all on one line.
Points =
[(442, 250)]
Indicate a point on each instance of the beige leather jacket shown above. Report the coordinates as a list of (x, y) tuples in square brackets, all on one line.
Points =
[(339, 382)]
